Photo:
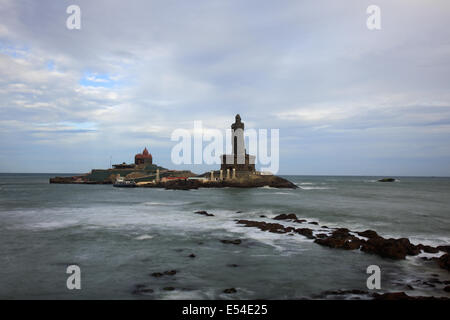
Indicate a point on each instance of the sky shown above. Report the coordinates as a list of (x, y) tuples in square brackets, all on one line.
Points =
[(346, 100)]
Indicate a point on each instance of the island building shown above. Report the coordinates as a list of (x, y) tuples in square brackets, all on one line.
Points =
[(143, 158), (141, 161), (239, 163), (142, 170)]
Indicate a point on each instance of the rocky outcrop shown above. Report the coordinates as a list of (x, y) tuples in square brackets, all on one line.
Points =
[(387, 180), (76, 180), (230, 290), (204, 213), (444, 261), (403, 296), (283, 216), (141, 289), (237, 241), (266, 226), (358, 294), (342, 238), (252, 181), (167, 273)]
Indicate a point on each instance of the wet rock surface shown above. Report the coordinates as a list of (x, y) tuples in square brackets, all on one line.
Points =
[(165, 273), (230, 290), (141, 289), (368, 241), (403, 296), (236, 241), (252, 181), (444, 261), (283, 216), (204, 213), (387, 180)]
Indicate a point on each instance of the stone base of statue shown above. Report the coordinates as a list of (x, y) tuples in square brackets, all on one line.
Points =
[(241, 163)]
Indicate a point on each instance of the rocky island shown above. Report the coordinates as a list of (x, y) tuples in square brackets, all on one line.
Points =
[(237, 170)]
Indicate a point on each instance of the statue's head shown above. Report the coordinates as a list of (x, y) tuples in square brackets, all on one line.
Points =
[(238, 118)]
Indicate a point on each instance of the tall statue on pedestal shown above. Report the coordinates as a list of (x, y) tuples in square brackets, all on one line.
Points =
[(240, 161)]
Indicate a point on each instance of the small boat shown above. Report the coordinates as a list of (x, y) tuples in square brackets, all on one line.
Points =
[(122, 183)]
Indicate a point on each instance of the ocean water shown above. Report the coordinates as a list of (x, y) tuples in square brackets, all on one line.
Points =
[(120, 236)]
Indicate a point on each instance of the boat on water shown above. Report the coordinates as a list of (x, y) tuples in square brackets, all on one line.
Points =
[(122, 183)]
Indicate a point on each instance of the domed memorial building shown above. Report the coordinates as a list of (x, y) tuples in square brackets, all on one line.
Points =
[(143, 158)]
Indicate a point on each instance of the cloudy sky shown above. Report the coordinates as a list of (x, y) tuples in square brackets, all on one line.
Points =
[(347, 100)]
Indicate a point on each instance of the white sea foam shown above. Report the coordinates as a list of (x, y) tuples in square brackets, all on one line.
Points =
[(167, 203), (144, 237), (315, 188)]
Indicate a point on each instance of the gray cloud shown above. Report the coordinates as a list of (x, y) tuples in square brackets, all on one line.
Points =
[(345, 98)]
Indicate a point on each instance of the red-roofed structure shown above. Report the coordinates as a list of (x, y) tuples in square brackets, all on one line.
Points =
[(143, 158)]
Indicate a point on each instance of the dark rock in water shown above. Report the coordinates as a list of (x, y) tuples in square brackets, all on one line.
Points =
[(284, 216), (343, 238), (232, 265), (387, 180), (305, 232), (390, 248), (333, 294), (264, 226), (262, 216), (447, 289), (167, 273), (237, 241), (251, 181), (141, 289), (341, 292), (313, 222), (168, 288), (230, 290), (410, 287), (157, 274), (368, 234), (403, 296), (299, 220), (179, 185), (204, 213), (392, 296), (444, 261), (444, 248), (427, 249), (170, 273), (340, 238), (239, 211), (192, 255)]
